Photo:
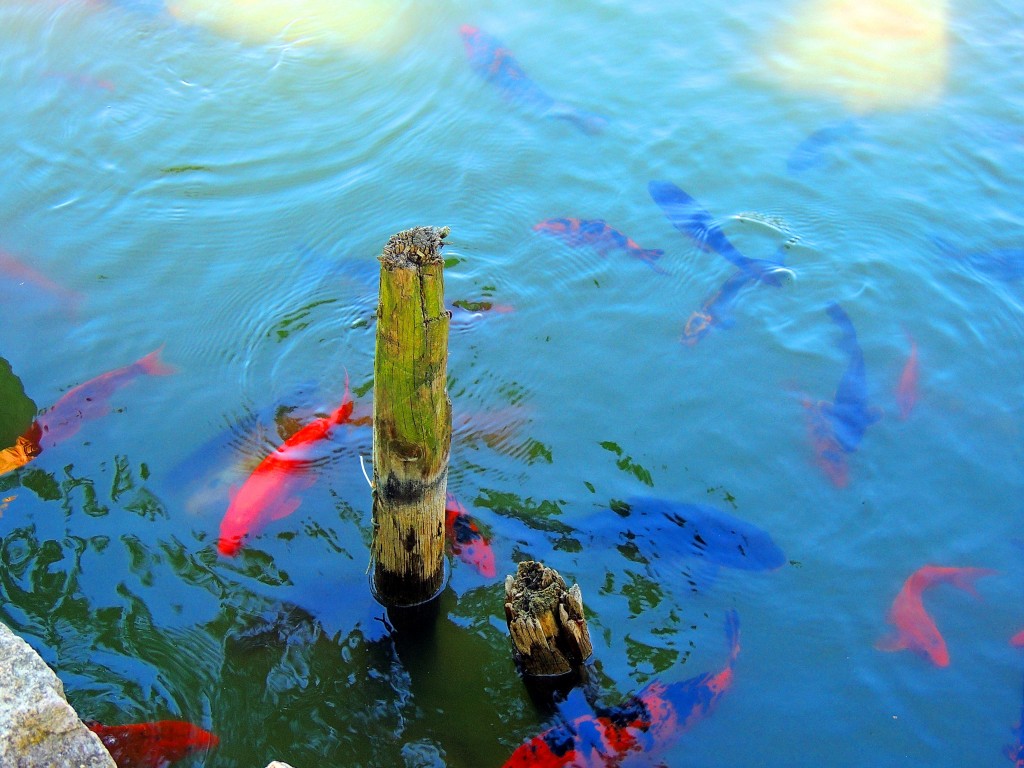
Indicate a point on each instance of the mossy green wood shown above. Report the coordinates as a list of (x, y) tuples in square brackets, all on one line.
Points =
[(412, 420)]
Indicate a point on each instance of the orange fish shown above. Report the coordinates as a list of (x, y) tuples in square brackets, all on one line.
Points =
[(906, 390), (915, 629), (272, 490), (466, 539), (1018, 640), (152, 745)]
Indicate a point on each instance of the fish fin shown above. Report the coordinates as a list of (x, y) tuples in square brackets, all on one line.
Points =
[(285, 507), (732, 633), (701, 575), (650, 257), (154, 366), (893, 642), (964, 579)]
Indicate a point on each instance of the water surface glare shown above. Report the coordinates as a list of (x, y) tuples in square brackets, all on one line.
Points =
[(213, 181)]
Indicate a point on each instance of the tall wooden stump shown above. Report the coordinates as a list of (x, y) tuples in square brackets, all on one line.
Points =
[(545, 620), (412, 420)]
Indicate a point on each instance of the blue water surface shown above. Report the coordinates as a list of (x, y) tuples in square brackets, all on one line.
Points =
[(225, 196)]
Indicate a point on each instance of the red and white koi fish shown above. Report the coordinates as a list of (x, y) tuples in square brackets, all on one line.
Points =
[(273, 489), (645, 723), (600, 236), (906, 390), (90, 401), (152, 745), (466, 540), (915, 629)]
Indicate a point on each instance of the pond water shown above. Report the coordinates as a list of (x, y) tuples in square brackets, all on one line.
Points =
[(215, 181)]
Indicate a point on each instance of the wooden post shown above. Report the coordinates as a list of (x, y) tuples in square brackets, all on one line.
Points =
[(545, 620), (412, 420)]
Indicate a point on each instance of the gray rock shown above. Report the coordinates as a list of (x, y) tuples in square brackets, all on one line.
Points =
[(38, 728)]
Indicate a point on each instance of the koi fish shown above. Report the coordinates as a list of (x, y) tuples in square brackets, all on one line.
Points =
[(152, 745), (1015, 751), (646, 722), (696, 531), (837, 428), (1005, 264), (495, 64), (19, 273), (697, 224), (82, 81), (466, 539), (89, 401), (812, 151), (688, 217), (906, 390), (18, 455), (597, 234), (203, 480), (272, 491), (715, 309), (915, 629)]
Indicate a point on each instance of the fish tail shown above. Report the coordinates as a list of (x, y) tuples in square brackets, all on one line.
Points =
[(154, 366), (650, 256), (343, 411), (589, 122), (848, 344)]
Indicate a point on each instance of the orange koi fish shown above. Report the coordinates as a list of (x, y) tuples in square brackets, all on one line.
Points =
[(466, 539), (152, 745), (906, 390), (646, 722), (915, 629), (1018, 640), (90, 401), (272, 490)]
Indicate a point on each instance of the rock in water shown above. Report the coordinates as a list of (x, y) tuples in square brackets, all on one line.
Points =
[(38, 728)]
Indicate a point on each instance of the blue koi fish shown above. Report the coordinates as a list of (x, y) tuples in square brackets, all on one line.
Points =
[(813, 151), (691, 219), (1005, 264), (837, 427), (495, 64), (698, 532), (645, 723)]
